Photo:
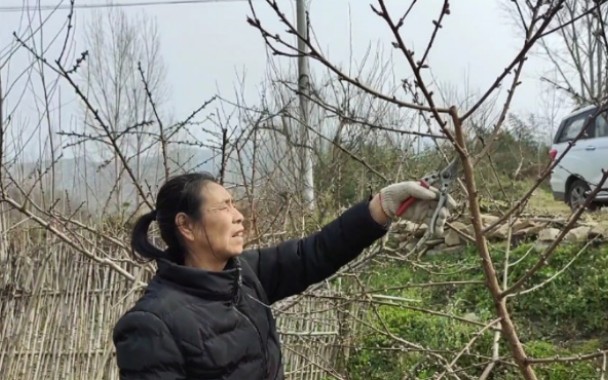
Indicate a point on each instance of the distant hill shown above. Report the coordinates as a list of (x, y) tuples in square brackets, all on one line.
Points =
[(87, 180)]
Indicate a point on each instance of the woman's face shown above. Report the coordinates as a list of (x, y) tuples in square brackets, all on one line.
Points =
[(220, 231)]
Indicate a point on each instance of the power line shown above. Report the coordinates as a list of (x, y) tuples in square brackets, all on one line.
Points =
[(15, 8)]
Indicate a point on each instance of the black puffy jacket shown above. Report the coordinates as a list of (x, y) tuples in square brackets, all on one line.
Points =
[(196, 324)]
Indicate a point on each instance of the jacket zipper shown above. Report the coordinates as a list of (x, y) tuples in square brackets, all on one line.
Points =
[(234, 304), (265, 350), (276, 374)]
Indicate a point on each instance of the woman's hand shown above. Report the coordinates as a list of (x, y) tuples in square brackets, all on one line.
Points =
[(386, 203)]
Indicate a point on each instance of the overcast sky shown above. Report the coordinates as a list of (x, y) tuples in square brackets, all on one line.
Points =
[(204, 46)]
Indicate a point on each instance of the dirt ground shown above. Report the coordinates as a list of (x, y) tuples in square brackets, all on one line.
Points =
[(542, 203)]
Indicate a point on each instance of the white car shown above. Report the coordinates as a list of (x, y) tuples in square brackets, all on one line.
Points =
[(580, 170)]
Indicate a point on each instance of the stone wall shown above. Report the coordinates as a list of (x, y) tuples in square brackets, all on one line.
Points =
[(542, 230)]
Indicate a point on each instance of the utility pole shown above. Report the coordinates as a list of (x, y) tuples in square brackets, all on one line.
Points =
[(3, 218), (304, 89)]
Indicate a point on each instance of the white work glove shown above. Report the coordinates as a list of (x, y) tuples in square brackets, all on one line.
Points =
[(422, 210)]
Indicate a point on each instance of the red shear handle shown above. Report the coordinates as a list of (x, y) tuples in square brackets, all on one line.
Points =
[(410, 200)]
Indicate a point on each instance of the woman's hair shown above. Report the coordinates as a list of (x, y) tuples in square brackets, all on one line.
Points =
[(181, 193)]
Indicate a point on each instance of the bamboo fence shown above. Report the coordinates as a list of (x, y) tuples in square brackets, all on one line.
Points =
[(58, 308)]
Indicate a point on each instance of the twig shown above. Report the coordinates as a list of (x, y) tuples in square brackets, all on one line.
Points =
[(103, 261), (419, 81), (163, 141), (567, 359), (508, 328), (315, 54), (445, 10), (545, 173), (468, 346), (556, 274), (528, 44), (551, 249), (574, 19)]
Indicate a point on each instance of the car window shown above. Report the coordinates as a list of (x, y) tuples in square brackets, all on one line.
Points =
[(574, 126), (601, 125)]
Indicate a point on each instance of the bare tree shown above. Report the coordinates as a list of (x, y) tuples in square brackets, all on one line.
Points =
[(538, 20), (124, 76), (578, 51), (367, 129), (123, 116)]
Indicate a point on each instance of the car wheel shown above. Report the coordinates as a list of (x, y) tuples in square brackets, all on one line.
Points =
[(576, 195)]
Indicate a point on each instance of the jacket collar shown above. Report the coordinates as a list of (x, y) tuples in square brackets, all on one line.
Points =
[(224, 285)]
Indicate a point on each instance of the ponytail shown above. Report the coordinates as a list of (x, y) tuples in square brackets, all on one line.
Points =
[(139, 239), (180, 194)]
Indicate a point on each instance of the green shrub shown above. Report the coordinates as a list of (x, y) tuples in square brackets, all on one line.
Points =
[(568, 309)]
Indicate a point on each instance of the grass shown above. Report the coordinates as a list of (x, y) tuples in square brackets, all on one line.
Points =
[(565, 317), (542, 202)]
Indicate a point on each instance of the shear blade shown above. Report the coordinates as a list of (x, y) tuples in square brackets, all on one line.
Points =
[(451, 171)]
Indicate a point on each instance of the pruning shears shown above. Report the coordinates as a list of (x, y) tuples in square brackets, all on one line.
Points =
[(442, 180)]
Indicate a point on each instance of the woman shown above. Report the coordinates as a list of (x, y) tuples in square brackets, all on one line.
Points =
[(204, 314)]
